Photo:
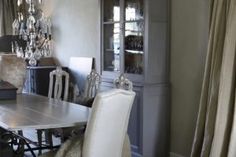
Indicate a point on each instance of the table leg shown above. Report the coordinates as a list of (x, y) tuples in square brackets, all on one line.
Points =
[(49, 138), (21, 143), (39, 134)]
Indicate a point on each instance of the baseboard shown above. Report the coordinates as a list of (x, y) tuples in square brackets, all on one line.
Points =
[(175, 155)]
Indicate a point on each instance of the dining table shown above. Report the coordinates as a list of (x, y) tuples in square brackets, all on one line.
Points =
[(30, 111)]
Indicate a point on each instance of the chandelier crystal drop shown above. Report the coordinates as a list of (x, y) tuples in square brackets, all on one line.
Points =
[(35, 29)]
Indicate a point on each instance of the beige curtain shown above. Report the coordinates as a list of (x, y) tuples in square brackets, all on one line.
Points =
[(7, 16), (215, 134)]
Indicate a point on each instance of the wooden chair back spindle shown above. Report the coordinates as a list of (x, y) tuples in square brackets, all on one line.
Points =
[(56, 91), (92, 84)]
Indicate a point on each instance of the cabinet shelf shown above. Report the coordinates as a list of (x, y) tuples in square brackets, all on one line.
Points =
[(111, 22), (109, 50), (112, 51), (127, 21), (127, 50), (134, 31), (131, 21), (135, 51)]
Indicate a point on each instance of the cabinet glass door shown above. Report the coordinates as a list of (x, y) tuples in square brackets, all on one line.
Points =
[(111, 36), (134, 31), (134, 10), (112, 47), (111, 10), (123, 31)]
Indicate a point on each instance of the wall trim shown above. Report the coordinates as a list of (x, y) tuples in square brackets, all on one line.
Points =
[(175, 155)]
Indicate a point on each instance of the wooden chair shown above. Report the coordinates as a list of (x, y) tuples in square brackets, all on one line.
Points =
[(86, 98), (92, 87), (106, 132), (57, 78)]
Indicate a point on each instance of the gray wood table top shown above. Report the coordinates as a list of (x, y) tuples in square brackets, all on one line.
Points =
[(38, 112)]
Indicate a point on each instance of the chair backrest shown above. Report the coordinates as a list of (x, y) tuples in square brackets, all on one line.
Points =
[(107, 125), (13, 70), (92, 84), (6, 41), (123, 83), (56, 86)]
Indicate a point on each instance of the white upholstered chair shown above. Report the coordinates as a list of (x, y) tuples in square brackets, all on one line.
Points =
[(106, 132), (107, 127)]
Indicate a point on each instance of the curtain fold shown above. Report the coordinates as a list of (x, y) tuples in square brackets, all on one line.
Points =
[(7, 16), (215, 129), (232, 145), (226, 100)]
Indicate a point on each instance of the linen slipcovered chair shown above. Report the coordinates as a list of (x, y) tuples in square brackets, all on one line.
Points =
[(105, 135), (13, 70)]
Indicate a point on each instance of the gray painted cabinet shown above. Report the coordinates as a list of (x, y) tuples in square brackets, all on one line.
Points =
[(134, 41)]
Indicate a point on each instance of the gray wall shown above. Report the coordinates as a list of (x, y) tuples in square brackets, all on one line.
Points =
[(75, 28), (189, 32), (76, 33)]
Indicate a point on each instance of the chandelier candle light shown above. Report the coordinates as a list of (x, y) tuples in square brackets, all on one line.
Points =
[(35, 29)]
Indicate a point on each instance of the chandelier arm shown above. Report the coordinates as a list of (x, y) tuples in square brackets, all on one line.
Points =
[(40, 46)]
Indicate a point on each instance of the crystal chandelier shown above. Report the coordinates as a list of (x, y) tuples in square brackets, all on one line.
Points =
[(35, 29)]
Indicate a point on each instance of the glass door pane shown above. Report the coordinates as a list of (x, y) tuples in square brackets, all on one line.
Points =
[(134, 47), (134, 10), (134, 30), (111, 56), (111, 11)]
